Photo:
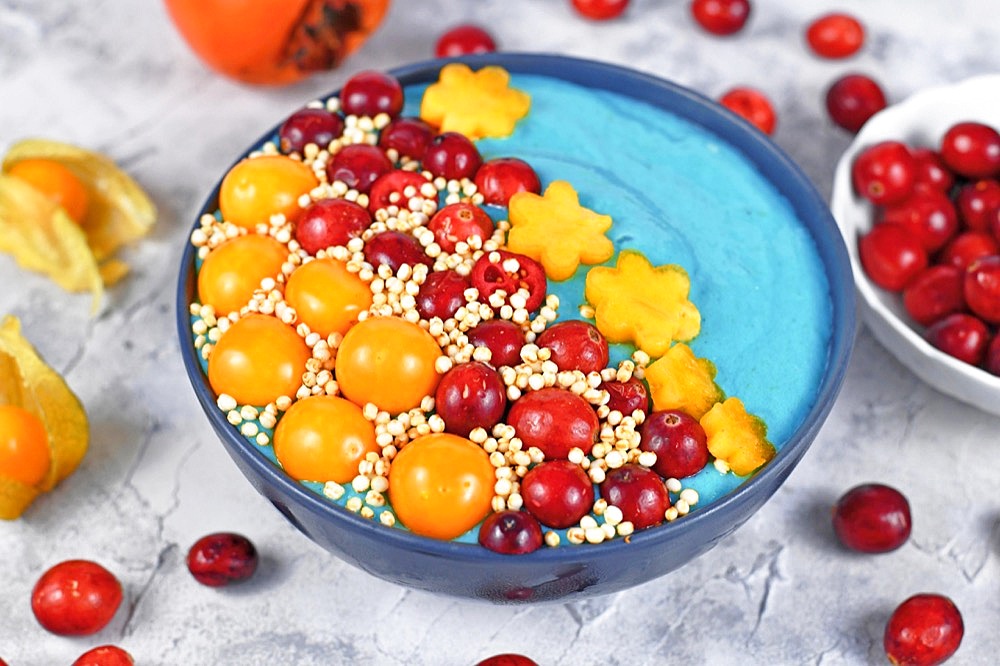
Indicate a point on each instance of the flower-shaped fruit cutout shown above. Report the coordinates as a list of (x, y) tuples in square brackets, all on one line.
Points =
[(556, 231), (43, 428), (477, 104), (737, 437), (64, 211), (643, 304), (682, 381)]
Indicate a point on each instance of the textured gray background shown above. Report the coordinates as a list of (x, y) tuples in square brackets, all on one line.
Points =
[(112, 75)]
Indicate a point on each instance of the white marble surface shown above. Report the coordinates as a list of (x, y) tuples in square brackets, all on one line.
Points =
[(113, 75)]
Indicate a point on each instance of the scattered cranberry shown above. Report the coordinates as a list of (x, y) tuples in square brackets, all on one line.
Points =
[(679, 442), (960, 335), (982, 288), (924, 630), (835, 35), (458, 222), (502, 337), (977, 202), (995, 224), (628, 396), (891, 257), (370, 93), (555, 420), (972, 150), (409, 137), (872, 518), (992, 363), (501, 178), (557, 492), (489, 276), (394, 182), (511, 533), (305, 126), (931, 170), (222, 558), (395, 248), (934, 294), (600, 10), (470, 395), (753, 106), (852, 99), (639, 492), (884, 173), (968, 246), (464, 40), (329, 222), (442, 294), (358, 166), (575, 345), (105, 655), (452, 156), (507, 659), (928, 214), (721, 17), (76, 598)]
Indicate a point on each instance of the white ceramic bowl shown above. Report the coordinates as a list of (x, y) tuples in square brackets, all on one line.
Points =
[(921, 120)]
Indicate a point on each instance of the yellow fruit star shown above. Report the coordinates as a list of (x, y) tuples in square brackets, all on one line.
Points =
[(477, 104)]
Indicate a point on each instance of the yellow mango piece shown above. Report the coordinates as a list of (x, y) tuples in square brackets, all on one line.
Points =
[(737, 437), (681, 380), (643, 304), (556, 231), (477, 104)]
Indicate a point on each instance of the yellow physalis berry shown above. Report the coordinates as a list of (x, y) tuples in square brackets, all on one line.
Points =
[(555, 230), (477, 104), (681, 380), (643, 304), (737, 437)]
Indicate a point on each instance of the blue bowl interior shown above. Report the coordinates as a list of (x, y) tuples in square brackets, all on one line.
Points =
[(567, 572)]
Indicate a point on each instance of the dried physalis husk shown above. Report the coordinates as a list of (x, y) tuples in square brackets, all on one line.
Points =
[(27, 382), (40, 236)]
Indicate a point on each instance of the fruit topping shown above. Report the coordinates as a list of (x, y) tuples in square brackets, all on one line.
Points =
[(554, 420), (259, 187), (229, 275), (453, 156), (221, 559), (627, 396), (470, 395), (395, 248), (639, 492), (370, 93), (737, 438), (316, 126), (511, 533), (459, 222), (576, 345), (477, 104), (442, 294), (519, 277), (679, 380), (503, 338), (679, 442), (501, 178), (358, 166), (409, 137), (395, 188), (558, 493), (328, 222)]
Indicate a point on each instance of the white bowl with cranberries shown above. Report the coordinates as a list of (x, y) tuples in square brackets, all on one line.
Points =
[(917, 197)]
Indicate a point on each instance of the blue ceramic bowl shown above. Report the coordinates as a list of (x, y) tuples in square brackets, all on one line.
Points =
[(563, 573)]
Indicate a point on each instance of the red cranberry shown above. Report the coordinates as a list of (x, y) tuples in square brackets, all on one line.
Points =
[(721, 17), (928, 214), (76, 598), (105, 655), (409, 137), (330, 222), (555, 420), (628, 396), (972, 149), (575, 345), (395, 182), (891, 256), (931, 170), (639, 492), (358, 166), (884, 173), (960, 335), (469, 396), (370, 93), (489, 276), (502, 337), (507, 659), (978, 202), (924, 630), (852, 99), (442, 294), (995, 224), (511, 533), (222, 558), (679, 442), (452, 156), (305, 126), (967, 247), (558, 493), (992, 363), (459, 222), (464, 40), (753, 106), (600, 10), (394, 248), (934, 294), (872, 518), (982, 288), (501, 178), (835, 35)]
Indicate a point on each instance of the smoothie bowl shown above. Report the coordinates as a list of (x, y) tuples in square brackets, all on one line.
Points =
[(515, 327)]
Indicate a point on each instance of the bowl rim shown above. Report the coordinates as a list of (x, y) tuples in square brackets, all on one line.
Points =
[(916, 118), (753, 145)]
